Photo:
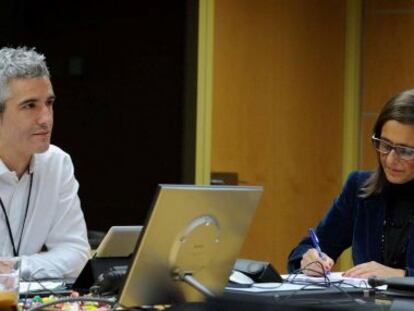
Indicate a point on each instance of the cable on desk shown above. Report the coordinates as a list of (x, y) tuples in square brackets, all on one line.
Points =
[(326, 282), (32, 279), (154, 307)]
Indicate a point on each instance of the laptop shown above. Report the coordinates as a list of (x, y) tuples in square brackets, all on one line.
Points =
[(119, 241), (115, 251)]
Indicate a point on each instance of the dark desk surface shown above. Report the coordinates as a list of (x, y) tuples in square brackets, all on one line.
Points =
[(332, 298), (325, 299)]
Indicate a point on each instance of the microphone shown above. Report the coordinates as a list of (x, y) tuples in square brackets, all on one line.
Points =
[(109, 282), (375, 281)]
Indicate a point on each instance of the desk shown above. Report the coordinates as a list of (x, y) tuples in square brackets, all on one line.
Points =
[(332, 298), (312, 300), (321, 299)]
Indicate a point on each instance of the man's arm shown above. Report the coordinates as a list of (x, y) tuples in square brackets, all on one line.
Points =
[(67, 243)]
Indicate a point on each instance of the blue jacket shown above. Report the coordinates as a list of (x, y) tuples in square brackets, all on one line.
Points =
[(352, 221)]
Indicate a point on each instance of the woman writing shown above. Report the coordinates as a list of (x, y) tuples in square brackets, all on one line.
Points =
[(374, 212)]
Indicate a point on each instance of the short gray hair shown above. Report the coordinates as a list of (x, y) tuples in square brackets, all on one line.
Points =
[(15, 63)]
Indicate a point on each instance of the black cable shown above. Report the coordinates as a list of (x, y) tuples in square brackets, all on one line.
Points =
[(146, 308), (294, 293), (39, 281), (32, 278), (326, 283)]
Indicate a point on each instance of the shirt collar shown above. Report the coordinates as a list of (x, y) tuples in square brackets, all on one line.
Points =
[(32, 166), (33, 163), (3, 168)]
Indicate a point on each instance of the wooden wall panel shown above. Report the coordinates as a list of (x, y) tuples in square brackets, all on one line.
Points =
[(277, 112), (388, 62), (388, 5), (367, 151)]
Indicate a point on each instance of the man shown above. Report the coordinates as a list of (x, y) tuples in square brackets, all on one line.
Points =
[(40, 216)]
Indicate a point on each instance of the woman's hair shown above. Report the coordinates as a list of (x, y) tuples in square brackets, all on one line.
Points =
[(18, 63), (399, 108)]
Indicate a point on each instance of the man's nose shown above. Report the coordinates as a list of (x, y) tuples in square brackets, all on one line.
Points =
[(46, 114)]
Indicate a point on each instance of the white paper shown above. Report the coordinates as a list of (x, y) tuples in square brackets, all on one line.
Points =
[(304, 282), (270, 287), (333, 277), (38, 286)]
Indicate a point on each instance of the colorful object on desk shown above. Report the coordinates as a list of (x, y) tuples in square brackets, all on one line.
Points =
[(84, 304), (37, 299)]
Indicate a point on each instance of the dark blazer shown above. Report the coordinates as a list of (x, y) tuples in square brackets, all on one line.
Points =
[(352, 221)]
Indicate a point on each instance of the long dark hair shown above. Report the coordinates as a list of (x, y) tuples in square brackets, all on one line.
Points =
[(399, 108)]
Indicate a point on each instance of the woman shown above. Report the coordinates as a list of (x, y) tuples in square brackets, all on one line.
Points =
[(375, 211)]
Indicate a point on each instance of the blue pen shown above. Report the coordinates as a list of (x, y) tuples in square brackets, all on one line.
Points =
[(315, 242)]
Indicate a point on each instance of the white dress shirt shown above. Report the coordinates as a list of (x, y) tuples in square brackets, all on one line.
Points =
[(54, 217)]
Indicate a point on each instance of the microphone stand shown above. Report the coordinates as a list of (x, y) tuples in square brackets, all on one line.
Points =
[(188, 278)]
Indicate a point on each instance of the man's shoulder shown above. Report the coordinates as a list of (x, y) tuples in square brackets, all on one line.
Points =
[(53, 154), (53, 150)]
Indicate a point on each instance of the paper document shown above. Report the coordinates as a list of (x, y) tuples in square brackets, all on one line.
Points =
[(273, 287), (39, 286), (333, 277)]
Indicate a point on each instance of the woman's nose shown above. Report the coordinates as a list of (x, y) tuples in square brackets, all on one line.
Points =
[(393, 156)]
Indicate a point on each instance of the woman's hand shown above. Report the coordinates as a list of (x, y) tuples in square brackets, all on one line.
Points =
[(313, 265), (373, 268)]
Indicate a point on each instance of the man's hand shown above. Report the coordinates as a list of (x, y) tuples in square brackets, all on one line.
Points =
[(10, 277), (314, 265), (6, 266), (373, 268)]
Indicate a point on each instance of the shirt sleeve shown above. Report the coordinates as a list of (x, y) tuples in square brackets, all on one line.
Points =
[(335, 229), (67, 243)]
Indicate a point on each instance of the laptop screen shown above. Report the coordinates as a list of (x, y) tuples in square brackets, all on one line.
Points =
[(191, 230), (120, 241)]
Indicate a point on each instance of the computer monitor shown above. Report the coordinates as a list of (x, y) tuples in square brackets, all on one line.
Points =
[(195, 231), (119, 241)]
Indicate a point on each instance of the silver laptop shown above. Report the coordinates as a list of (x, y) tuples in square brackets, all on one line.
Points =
[(119, 241), (193, 233)]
